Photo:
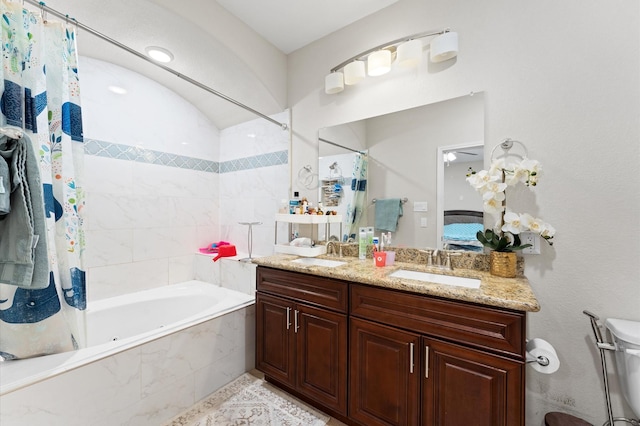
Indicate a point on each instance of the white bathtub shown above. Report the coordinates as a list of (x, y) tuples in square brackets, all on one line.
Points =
[(117, 325)]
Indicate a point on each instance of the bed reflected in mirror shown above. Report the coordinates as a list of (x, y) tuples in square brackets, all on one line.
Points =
[(460, 229), (460, 213)]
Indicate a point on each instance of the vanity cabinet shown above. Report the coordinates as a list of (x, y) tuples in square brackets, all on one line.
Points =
[(463, 386), (384, 375), (301, 334), (379, 356), (444, 362)]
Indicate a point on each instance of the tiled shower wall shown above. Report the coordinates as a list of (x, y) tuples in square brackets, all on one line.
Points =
[(249, 192), (162, 181)]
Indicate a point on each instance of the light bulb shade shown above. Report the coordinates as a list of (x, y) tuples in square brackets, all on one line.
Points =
[(333, 83), (379, 63), (354, 72), (409, 53), (444, 47)]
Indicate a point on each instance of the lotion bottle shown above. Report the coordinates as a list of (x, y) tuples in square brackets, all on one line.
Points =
[(362, 244)]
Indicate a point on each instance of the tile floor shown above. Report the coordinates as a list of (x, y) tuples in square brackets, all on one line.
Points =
[(332, 421)]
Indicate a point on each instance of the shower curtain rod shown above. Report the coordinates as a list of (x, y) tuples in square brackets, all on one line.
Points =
[(340, 146), (44, 8)]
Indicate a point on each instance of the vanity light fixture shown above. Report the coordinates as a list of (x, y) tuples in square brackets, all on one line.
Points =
[(379, 62), (159, 54), (354, 72), (406, 52)]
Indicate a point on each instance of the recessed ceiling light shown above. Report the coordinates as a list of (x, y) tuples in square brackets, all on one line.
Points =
[(159, 54), (117, 90)]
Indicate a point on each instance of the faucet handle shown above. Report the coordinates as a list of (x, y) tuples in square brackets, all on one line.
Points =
[(429, 254), (447, 263)]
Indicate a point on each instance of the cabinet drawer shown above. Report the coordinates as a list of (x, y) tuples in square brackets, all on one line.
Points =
[(488, 328), (325, 292)]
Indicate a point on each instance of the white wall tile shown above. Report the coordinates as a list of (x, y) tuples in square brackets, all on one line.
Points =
[(114, 280), (157, 408), (70, 399), (238, 276), (108, 247), (181, 269), (206, 269), (108, 175)]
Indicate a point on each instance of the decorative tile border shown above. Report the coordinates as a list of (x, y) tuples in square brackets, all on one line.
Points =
[(255, 162), (143, 155)]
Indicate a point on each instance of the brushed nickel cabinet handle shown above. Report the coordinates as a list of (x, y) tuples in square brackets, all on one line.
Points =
[(295, 319), (411, 347), (426, 362), (288, 317)]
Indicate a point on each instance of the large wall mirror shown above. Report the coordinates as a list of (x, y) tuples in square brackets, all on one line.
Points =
[(409, 156)]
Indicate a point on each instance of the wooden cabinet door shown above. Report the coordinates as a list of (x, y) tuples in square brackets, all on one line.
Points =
[(321, 341), (275, 348), (463, 386), (384, 375)]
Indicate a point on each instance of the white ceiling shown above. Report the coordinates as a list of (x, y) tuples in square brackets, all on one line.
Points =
[(186, 27), (292, 24)]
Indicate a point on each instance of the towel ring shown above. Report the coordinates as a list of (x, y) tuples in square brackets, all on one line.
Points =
[(506, 145), (307, 178)]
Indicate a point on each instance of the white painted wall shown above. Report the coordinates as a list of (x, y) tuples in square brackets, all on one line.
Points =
[(555, 80), (458, 194)]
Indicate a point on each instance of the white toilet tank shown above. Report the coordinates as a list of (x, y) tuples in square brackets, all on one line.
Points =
[(627, 339)]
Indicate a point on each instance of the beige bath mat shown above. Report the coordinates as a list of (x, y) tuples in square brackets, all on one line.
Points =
[(250, 401)]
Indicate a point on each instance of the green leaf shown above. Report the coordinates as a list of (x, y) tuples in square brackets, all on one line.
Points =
[(516, 240), (502, 244)]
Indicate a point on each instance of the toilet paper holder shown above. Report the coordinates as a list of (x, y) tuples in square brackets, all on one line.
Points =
[(540, 359), (542, 355)]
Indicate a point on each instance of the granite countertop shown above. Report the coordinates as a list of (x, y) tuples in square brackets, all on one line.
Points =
[(511, 293)]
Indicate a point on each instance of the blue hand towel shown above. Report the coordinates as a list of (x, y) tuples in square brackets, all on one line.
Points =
[(388, 212)]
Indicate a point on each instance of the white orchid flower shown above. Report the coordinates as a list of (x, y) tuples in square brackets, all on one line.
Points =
[(479, 180), (497, 166), (531, 172), (492, 185), (548, 232), (531, 223), (515, 176), (495, 187), (512, 223), (493, 202)]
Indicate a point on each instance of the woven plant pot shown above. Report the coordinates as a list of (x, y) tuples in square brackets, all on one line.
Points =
[(503, 264)]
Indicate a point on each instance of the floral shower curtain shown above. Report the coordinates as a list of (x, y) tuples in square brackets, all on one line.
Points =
[(40, 97), (355, 208)]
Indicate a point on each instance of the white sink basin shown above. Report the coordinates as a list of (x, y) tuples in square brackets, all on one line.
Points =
[(436, 278), (312, 261)]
